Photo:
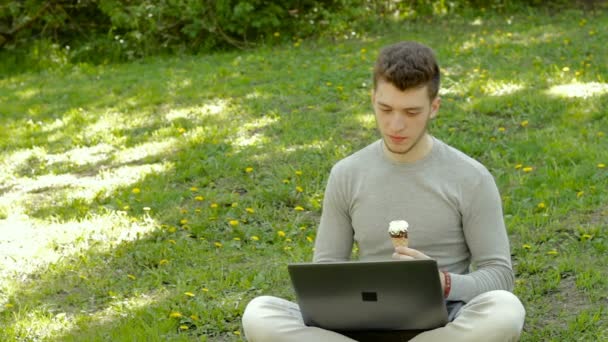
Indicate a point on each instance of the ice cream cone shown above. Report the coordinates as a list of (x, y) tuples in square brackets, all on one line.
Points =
[(397, 231), (399, 241)]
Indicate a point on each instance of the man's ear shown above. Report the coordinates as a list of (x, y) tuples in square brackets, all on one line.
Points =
[(435, 107)]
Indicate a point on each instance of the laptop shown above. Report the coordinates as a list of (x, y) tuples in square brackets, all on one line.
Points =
[(358, 296)]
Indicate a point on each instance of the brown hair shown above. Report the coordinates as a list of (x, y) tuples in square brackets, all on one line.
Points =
[(408, 65)]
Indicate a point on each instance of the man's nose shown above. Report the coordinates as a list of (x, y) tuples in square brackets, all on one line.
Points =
[(397, 122)]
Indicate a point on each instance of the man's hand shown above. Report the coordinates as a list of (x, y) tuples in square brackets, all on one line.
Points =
[(405, 253)]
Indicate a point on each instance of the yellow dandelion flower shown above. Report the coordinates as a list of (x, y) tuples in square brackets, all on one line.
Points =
[(183, 221), (175, 314), (601, 165), (250, 210), (363, 50), (288, 240), (303, 228), (183, 327), (528, 169), (183, 211), (552, 252), (163, 262), (130, 276), (255, 238), (309, 239), (524, 123), (199, 198), (600, 134), (580, 194), (218, 244), (234, 205), (328, 84), (233, 223), (541, 205), (236, 332), (298, 173), (566, 69), (287, 248), (213, 205), (8, 305), (526, 246), (237, 239), (299, 189), (193, 188), (181, 130), (194, 317), (126, 207), (339, 88), (83, 277), (249, 169), (586, 237), (204, 289), (518, 166), (501, 129), (136, 190), (172, 242), (198, 210), (298, 208), (277, 34), (281, 233), (285, 181), (189, 294)]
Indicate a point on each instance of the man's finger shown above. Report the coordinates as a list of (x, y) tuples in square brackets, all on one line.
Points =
[(399, 256), (416, 254)]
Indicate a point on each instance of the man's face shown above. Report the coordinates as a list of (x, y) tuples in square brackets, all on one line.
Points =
[(402, 116)]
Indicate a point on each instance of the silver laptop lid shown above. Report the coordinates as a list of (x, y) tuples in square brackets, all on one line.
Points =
[(370, 295)]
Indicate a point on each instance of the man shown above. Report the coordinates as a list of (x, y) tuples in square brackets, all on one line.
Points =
[(450, 201)]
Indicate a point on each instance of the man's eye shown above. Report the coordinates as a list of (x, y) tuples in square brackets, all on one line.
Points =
[(413, 113)]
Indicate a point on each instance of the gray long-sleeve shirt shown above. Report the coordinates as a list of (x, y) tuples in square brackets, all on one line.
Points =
[(450, 201)]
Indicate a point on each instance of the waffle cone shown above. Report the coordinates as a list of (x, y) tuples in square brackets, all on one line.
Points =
[(399, 241)]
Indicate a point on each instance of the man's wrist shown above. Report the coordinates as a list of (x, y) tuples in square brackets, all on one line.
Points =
[(446, 283)]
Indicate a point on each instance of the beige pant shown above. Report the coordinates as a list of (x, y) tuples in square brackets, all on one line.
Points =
[(491, 316)]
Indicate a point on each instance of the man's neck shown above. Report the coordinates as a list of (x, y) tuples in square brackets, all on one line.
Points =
[(418, 152)]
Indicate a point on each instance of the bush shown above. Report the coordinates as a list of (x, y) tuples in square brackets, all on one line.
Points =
[(110, 30)]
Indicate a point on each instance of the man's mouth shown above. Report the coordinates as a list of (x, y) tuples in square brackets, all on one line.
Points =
[(397, 139)]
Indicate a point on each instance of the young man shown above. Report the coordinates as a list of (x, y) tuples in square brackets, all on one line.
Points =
[(450, 201)]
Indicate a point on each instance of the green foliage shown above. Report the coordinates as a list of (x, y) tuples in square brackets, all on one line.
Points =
[(102, 31)]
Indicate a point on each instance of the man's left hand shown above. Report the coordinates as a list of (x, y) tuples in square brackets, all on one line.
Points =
[(405, 253)]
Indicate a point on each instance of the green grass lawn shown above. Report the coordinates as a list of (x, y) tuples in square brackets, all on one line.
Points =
[(152, 200)]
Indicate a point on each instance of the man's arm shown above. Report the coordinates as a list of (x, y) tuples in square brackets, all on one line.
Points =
[(334, 239), (486, 237)]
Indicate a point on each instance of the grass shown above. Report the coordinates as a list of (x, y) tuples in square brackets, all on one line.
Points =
[(153, 200)]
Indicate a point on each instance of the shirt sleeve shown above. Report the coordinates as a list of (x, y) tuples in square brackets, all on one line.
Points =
[(486, 236), (334, 239)]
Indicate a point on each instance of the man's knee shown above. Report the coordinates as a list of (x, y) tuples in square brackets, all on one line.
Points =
[(255, 324), (252, 317), (509, 312)]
